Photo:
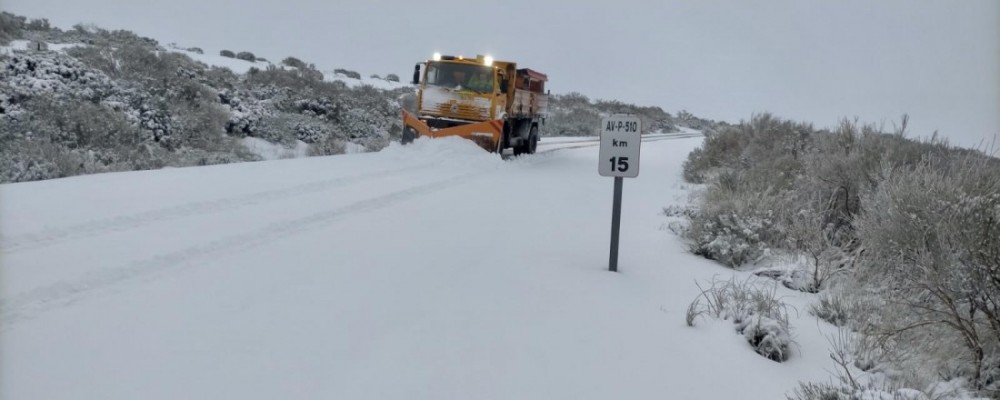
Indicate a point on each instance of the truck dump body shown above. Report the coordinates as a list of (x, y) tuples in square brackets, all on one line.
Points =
[(492, 103)]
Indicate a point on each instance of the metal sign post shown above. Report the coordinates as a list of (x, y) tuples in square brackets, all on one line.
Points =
[(621, 136)]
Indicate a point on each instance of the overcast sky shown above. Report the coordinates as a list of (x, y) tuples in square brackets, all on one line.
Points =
[(815, 61)]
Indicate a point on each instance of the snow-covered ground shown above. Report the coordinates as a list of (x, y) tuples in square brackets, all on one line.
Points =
[(428, 271), (274, 151)]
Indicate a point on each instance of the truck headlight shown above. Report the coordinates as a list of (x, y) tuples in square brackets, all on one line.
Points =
[(437, 56), (488, 61)]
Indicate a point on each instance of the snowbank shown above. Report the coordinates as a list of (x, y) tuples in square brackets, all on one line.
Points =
[(451, 151), (273, 151)]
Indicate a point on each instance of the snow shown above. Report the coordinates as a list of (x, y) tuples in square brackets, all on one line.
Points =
[(427, 271), (369, 81), (215, 60), (273, 151), (242, 66)]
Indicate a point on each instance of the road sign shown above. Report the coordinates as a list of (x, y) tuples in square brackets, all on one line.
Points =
[(621, 136)]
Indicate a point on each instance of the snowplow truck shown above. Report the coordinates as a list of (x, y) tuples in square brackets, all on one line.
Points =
[(492, 103)]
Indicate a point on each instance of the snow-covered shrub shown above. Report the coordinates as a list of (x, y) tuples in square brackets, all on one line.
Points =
[(572, 122), (10, 27), (201, 125), (832, 308), (24, 160), (245, 114), (294, 62), (196, 50), (347, 73), (932, 254), (30, 74), (870, 391), (719, 149), (286, 128), (328, 146), (300, 81), (755, 310), (40, 24), (734, 226), (364, 128), (694, 166), (769, 337), (825, 251), (246, 56), (197, 157), (392, 78), (227, 53), (222, 79)]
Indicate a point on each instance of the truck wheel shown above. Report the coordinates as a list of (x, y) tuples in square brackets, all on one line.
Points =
[(533, 140), (409, 135)]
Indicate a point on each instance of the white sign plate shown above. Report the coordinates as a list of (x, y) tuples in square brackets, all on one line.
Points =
[(621, 136)]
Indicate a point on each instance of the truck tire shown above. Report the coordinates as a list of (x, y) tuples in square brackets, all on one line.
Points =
[(533, 140), (409, 135)]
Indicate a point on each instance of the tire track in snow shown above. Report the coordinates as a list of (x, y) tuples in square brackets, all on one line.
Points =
[(29, 305), (51, 236)]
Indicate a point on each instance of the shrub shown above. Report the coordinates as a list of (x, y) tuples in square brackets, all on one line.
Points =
[(832, 308), (759, 315), (328, 146), (931, 251), (227, 53), (285, 128), (375, 76), (41, 24), (246, 56), (10, 27), (392, 78), (196, 50), (573, 122), (294, 62), (347, 73), (732, 226)]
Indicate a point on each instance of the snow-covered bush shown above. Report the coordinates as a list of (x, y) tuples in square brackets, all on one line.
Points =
[(294, 62), (246, 56), (573, 122), (734, 226), (392, 78), (932, 253), (769, 337), (365, 128), (40, 24), (347, 73), (755, 310), (328, 146), (832, 308), (286, 128), (227, 53), (10, 27), (870, 391)]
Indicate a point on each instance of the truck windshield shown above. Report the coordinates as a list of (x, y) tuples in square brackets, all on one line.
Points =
[(477, 78)]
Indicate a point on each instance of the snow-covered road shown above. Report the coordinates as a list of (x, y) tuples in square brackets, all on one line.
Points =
[(427, 271)]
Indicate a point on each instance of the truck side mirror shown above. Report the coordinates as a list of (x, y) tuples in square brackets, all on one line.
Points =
[(416, 74), (503, 85)]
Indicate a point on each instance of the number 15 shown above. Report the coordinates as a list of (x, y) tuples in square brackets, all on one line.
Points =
[(622, 163)]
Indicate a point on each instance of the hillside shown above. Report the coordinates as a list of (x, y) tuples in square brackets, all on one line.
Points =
[(92, 100)]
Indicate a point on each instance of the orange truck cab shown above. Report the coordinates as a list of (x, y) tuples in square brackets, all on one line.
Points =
[(492, 103)]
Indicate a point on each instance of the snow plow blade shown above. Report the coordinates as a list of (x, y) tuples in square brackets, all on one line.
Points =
[(486, 134)]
